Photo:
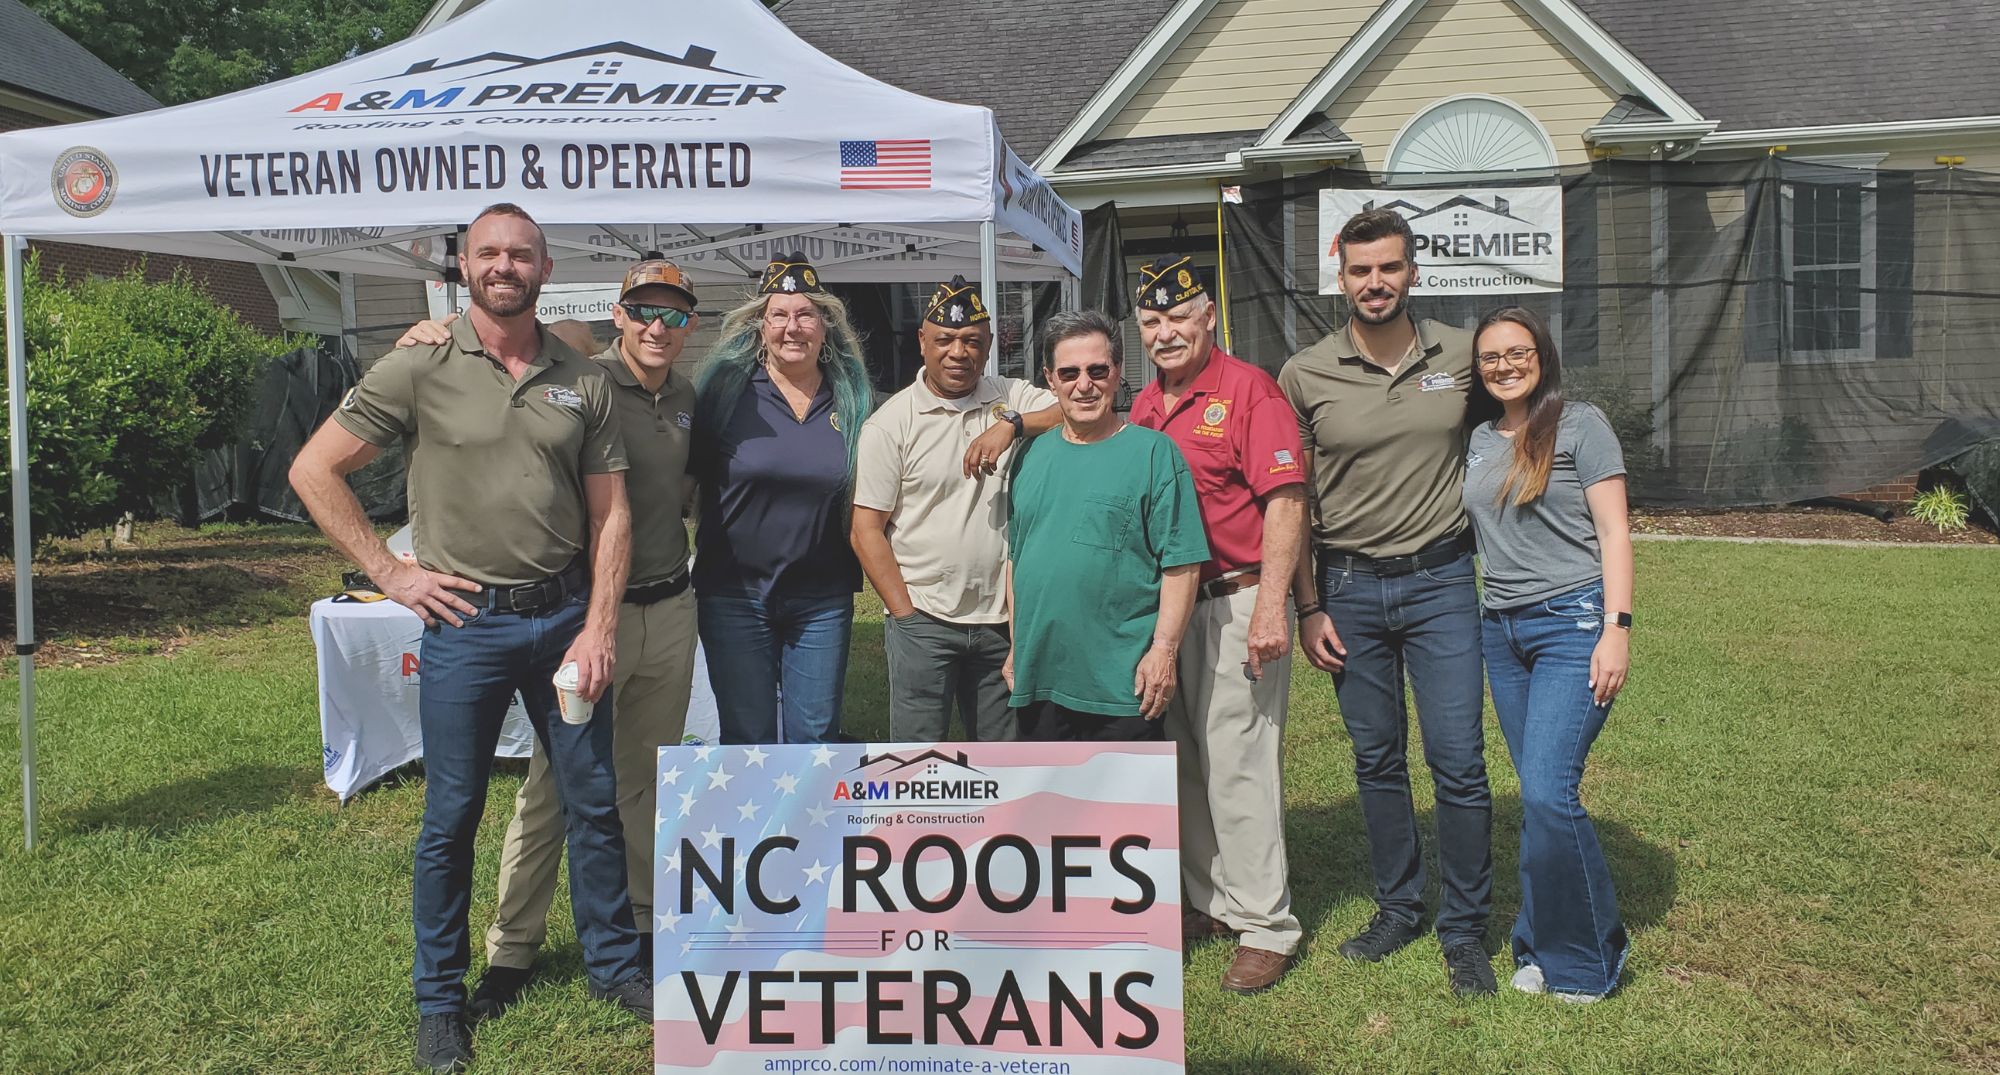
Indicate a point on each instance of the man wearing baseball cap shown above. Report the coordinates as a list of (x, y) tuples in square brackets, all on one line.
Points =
[(655, 647)]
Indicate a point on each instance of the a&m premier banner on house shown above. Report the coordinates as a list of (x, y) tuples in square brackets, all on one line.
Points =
[(1469, 240), (986, 908)]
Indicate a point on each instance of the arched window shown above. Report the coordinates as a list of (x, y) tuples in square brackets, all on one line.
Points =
[(1473, 132)]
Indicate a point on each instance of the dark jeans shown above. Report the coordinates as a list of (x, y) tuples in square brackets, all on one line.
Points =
[(470, 674), (1047, 722), (1426, 622), (1538, 659), (933, 664), (760, 648)]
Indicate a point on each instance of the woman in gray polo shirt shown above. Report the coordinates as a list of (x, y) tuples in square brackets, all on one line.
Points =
[(1545, 489)]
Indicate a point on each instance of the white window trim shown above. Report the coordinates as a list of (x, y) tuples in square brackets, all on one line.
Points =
[(1864, 165), (1396, 143)]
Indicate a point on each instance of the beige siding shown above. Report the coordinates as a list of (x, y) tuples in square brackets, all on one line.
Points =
[(383, 308), (1240, 66), (1981, 154), (1454, 47)]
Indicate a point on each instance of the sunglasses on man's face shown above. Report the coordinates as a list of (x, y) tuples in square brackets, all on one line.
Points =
[(1096, 371), (671, 316)]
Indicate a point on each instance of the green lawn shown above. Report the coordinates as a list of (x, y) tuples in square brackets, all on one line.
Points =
[(1799, 794)]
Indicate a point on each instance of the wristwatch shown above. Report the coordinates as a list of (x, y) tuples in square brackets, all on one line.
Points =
[(1620, 619), (1013, 417)]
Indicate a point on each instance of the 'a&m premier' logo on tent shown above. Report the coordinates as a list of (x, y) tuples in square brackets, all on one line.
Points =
[(83, 181)]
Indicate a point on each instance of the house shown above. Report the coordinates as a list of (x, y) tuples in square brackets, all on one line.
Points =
[(1833, 163), (1766, 229), (46, 78)]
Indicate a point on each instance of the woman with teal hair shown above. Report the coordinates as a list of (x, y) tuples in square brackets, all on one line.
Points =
[(779, 407)]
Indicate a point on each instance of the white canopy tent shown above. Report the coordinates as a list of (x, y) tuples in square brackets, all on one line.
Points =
[(703, 129)]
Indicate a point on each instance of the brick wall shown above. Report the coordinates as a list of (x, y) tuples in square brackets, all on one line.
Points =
[(234, 284), (1898, 493)]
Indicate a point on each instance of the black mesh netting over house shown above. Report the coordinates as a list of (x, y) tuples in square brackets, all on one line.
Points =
[(1759, 332), (296, 392)]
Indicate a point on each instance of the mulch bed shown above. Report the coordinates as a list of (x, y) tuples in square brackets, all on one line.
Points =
[(1800, 522)]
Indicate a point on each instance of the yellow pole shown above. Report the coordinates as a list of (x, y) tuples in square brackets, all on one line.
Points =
[(1222, 273)]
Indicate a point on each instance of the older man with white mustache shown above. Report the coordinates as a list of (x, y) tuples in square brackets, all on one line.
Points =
[(1240, 439)]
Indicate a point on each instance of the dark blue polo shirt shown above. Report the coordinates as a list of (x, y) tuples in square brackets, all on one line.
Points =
[(774, 500)]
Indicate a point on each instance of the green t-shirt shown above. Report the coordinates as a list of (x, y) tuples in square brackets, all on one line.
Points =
[(1091, 528)]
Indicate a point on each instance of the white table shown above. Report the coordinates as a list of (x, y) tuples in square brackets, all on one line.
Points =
[(368, 677)]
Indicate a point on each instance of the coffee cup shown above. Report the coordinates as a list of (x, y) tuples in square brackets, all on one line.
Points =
[(576, 709)]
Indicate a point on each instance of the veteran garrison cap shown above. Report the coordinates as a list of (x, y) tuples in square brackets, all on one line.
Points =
[(956, 305), (1168, 281), (790, 275), (656, 272)]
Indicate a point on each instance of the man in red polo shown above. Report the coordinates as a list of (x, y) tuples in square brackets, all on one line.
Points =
[(1241, 441)]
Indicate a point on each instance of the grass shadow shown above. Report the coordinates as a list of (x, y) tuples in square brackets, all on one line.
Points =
[(197, 800), (1328, 849)]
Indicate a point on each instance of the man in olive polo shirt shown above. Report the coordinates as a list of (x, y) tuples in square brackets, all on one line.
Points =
[(930, 524), (522, 538), (1382, 409), (654, 675)]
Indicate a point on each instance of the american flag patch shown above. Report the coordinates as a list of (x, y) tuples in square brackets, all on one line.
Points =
[(1283, 457), (886, 165)]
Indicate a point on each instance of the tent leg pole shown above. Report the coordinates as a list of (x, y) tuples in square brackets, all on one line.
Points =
[(24, 564), (989, 287)]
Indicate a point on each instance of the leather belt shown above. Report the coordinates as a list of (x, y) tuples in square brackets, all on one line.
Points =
[(533, 596), (1436, 554), (1238, 580), (654, 592)]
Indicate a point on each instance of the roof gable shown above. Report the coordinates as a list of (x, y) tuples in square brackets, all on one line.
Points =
[(38, 59)]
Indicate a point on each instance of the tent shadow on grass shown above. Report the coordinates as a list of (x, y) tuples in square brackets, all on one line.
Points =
[(1329, 858), (167, 809)]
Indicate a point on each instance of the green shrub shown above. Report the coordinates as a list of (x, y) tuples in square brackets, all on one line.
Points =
[(127, 381), (1944, 508)]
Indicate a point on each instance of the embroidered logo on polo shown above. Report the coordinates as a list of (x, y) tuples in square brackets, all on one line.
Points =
[(684, 420), (1283, 461), (1212, 417), (563, 397), (1473, 459), (1437, 382)]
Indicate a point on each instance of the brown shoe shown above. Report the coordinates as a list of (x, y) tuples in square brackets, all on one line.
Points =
[(1255, 970), (1197, 928)]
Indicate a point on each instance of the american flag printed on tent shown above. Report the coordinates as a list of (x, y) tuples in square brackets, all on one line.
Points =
[(1027, 973), (888, 164)]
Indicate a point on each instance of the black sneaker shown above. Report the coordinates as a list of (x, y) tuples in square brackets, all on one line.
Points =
[(1385, 934), (634, 994), (443, 1042), (498, 989), (1470, 971)]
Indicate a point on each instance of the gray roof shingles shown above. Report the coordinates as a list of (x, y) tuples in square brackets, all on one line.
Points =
[(1808, 63), (1035, 63), (39, 59)]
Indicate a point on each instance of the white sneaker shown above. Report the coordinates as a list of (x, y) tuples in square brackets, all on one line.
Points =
[(1528, 979), (1579, 998)]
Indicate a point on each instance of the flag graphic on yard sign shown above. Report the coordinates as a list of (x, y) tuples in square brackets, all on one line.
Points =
[(886, 165)]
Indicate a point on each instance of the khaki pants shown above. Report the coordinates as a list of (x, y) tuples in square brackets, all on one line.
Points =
[(649, 690), (1231, 734)]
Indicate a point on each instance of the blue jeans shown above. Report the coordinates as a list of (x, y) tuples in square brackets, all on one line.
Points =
[(470, 674), (1538, 658), (1428, 623), (759, 648)]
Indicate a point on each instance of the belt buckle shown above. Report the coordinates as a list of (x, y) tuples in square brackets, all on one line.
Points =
[(1396, 566)]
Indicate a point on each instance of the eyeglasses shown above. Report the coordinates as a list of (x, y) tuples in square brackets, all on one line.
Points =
[(1096, 371), (1517, 357), (671, 316), (805, 319)]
